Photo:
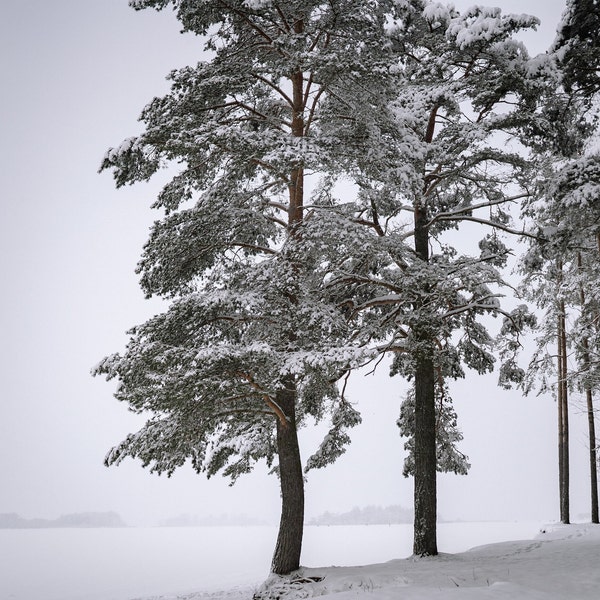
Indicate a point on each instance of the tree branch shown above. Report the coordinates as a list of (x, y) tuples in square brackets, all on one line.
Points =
[(465, 209), (491, 224), (273, 86), (269, 400), (249, 21), (283, 18)]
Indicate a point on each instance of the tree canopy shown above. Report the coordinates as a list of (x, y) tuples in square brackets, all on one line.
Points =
[(332, 165)]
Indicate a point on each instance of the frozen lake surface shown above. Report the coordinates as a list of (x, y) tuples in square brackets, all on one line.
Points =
[(121, 564)]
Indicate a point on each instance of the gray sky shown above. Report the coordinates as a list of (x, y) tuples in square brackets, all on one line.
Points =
[(75, 76)]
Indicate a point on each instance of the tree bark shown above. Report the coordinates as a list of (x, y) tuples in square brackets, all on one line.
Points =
[(286, 557), (560, 428), (425, 476), (586, 360), (593, 456), (425, 493), (563, 409), (288, 547)]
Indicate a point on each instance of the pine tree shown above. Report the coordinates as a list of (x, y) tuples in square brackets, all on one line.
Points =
[(578, 48), (559, 282), (428, 153), (250, 346), (565, 217)]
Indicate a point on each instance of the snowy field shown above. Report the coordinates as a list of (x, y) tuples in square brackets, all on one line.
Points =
[(559, 564), (232, 562)]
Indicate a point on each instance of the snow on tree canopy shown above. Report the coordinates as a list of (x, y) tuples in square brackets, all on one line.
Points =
[(486, 25), (280, 280), (253, 342), (437, 13)]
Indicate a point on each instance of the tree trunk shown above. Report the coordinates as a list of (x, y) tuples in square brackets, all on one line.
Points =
[(586, 360), (560, 428), (425, 492), (593, 456), (291, 526), (563, 413), (288, 547)]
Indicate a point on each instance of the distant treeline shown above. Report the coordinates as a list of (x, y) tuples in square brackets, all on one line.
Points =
[(87, 519), (223, 520), (369, 515)]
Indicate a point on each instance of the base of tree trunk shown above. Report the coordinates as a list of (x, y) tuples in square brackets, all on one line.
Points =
[(286, 557)]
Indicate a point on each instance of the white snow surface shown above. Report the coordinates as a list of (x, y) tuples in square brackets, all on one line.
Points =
[(557, 562), (560, 563)]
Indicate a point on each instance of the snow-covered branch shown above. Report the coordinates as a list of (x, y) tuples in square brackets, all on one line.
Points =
[(493, 224), (467, 209)]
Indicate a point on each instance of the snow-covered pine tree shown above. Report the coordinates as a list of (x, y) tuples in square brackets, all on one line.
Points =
[(431, 152), (578, 46), (562, 277), (250, 347), (561, 265)]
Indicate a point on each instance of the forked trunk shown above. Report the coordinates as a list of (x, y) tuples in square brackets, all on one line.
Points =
[(289, 539)]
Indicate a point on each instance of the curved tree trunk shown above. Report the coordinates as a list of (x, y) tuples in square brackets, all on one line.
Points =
[(291, 526)]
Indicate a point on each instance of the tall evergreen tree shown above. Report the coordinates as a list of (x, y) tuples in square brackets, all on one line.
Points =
[(562, 278), (429, 153), (565, 218), (250, 347), (578, 48)]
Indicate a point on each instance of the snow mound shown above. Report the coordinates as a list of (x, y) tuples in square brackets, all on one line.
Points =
[(560, 562)]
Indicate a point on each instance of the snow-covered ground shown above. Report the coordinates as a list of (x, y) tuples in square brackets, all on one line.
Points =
[(218, 563), (560, 563)]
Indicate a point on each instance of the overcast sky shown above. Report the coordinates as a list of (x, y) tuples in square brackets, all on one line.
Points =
[(75, 76)]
